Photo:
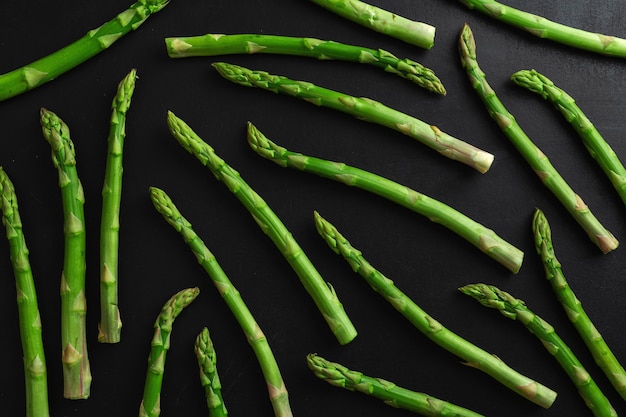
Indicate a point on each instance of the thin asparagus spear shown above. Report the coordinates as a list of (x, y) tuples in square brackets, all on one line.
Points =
[(151, 402), (472, 355), (110, 321), (393, 395), (210, 380), (486, 240), (537, 160), (278, 394), (322, 294), (95, 41), (76, 371), (35, 371), (516, 309), (596, 344), (383, 21), (213, 44), (364, 109)]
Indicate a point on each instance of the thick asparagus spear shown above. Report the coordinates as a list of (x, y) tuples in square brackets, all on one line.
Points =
[(486, 240), (257, 340), (472, 355), (213, 44), (323, 294), (35, 370), (516, 309), (363, 109), (210, 380), (537, 160), (76, 371)]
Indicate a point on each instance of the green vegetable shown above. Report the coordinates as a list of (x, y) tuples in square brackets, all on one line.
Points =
[(323, 294), (471, 354), (257, 340), (516, 309), (212, 45), (486, 240), (76, 371), (207, 362), (537, 160)]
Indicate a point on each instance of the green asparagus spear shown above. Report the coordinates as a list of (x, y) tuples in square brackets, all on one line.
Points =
[(110, 321), (393, 395), (323, 294), (35, 372), (278, 394), (363, 109), (151, 402), (207, 362), (472, 355), (383, 21), (537, 160), (95, 41), (516, 309), (486, 240), (596, 344), (212, 45), (76, 371)]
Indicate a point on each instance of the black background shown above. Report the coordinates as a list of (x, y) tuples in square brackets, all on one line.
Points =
[(425, 260)]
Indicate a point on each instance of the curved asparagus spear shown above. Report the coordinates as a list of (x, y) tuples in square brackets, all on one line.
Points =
[(35, 370), (151, 401), (213, 44), (363, 109), (322, 294), (257, 340), (486, 240), (210, 380), (472, 355), (76, 371), (516, 309), (95, 41), (537, 160), (596, 344)]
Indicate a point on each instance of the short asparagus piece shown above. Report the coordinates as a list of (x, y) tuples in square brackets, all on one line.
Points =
[(278, 394), (472, 355), (364, 109), (207, 362), (322, 294), (537, 160), (110, 321), (486, 240), (35, 371), (214, 44), (596, 344), (516, 309), (76, 371), (95, 41), (151, 402), (393, 395)]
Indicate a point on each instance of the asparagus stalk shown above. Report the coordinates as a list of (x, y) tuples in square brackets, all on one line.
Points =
[(596, 344), (110, 321), (257, 340), (516, 309), (213, 44), (537, 160), (35, 371), (323, 294), (363, 109), (151, 402), (207, 362), (472, 355), (61, 61), (76, 371), (486, 240), (393, 395)]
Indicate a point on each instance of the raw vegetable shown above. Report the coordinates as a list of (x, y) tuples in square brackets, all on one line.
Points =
[(210, 380)]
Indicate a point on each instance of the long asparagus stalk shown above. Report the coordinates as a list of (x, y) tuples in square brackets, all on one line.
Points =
[(364, 109), (209, 378), (322, 294), (257, 340), (76, 371), (486, 240), (537, 160)]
